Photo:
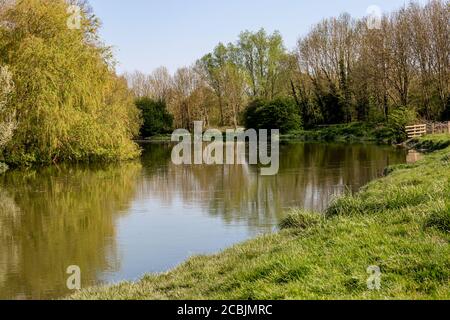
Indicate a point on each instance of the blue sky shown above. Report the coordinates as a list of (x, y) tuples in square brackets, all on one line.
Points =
[(147, 34)]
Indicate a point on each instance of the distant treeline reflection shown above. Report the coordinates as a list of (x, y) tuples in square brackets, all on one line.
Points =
[(54, 217)]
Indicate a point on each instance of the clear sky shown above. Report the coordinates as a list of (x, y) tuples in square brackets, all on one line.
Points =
[(147, 34)]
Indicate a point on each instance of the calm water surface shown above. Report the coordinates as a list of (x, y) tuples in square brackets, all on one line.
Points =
[(118, 222)]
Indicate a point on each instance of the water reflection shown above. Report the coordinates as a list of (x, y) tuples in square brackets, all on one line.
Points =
[(56, 217), (119, 221), (414, 156), (310, 176)]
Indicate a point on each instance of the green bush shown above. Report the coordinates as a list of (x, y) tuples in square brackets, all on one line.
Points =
[(281, 113), (394, 131), (157, 119)]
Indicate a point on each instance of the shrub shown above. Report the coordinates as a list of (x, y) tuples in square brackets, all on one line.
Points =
[(156, 118), (394, 130), (281, 113)]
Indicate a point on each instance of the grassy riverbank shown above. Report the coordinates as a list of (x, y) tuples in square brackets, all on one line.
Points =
[(352, 132), (430, 143), (400, 223)]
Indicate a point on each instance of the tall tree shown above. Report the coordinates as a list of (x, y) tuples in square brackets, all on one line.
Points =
[(160, 84), (70, 104), (328, 55), (225, 76), (140, 84), (212, 67), (261, 55)]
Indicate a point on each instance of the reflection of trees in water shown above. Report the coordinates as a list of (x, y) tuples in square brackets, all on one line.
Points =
[(310, 176), (9, 214), (56, 217)]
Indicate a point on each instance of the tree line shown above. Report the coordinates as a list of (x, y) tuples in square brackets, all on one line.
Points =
[(61, 99), (342, 71)]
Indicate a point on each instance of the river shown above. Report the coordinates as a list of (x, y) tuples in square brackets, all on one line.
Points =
[(119, 221)]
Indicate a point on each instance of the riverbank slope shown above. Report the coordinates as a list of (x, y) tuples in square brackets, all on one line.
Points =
[(399, 224)]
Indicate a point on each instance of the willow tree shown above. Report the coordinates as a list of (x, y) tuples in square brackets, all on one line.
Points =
[(69, 103), (7, 115)]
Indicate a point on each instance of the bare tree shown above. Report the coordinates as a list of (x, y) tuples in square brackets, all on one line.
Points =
[(139, 84), (399, 44), (405, 62), (328, 55), (437, 16), (184, 84), (160, 84), (343, 70)]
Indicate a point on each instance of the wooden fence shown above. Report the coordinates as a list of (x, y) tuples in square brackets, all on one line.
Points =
[(420, 130), (416, 131)]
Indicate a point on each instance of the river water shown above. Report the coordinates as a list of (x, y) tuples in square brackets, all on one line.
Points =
[(117, 222)]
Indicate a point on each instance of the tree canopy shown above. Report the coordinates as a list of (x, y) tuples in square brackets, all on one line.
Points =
[(68, 102), (280, 113), (344, 70), (157, 120)]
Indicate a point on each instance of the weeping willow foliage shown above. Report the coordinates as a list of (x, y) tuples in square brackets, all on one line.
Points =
[(7, 122), (69, 103)]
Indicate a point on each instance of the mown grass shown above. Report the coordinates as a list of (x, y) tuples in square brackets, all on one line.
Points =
[(400, 223)]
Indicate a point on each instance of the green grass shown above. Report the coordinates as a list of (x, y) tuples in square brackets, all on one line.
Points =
[(431, 143), (355, 132), (400, 223), (351, 132)]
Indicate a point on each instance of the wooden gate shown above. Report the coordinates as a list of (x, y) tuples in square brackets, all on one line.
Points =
[(416, 131), (420, 130)]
